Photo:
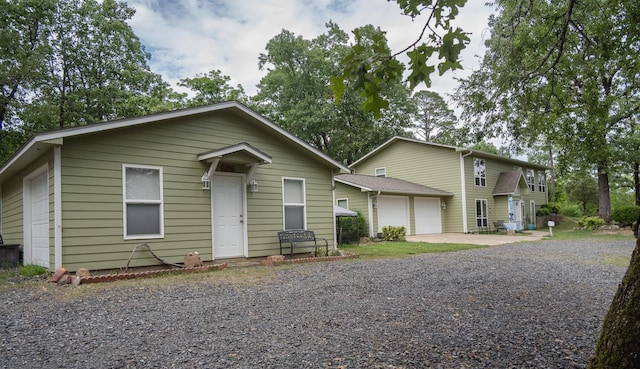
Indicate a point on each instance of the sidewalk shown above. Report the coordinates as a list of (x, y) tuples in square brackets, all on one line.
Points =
[(479, 239)]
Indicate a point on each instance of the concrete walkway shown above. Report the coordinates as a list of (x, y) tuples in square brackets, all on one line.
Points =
[(479, 239)]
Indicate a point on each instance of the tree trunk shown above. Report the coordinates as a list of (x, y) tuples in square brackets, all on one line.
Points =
[(636, 181), (604, 200), (619, 344)]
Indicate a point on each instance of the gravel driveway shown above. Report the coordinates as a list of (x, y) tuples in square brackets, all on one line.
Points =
[(526, 305)]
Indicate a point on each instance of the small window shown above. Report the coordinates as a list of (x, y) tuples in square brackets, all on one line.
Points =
[(343, 203), (542, 182), (143, 207), (531, 179), (482, 219), (480, 172), (294, 203), (381, 172)]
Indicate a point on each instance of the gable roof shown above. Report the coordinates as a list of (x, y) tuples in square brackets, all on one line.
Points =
[(508, 183), (465, 151), (42, 141), (388, 185)]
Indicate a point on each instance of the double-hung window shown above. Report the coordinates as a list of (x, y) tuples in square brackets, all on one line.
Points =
[(294, 203), (143, 207), (531, 179), (542, 182), (480, 172)]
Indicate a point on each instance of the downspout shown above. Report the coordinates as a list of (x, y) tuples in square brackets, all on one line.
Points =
[(465, 227), (371, 230)]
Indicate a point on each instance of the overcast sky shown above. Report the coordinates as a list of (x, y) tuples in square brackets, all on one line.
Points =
[(187, 37)]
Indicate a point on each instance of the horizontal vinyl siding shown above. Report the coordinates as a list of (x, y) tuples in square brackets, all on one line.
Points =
[(92, 190), (428, 165)]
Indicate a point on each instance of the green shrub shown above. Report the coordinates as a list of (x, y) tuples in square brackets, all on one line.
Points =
[(590, 223), (352, 228), (543, 211), (625, 215), (390, 233), (552, 207), (573, 210)]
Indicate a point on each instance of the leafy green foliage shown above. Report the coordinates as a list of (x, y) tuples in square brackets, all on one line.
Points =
[(212, 87), (370, 63), (352, 228), (625, 216), (391, 233), (560, 73), (590, 223), (295, 94), (31, 270), (436, 122)]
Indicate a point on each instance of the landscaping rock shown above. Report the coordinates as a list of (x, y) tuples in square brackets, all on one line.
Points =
[(192, 260)]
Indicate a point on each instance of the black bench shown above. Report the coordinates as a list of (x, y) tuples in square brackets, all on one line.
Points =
[(301, 238)]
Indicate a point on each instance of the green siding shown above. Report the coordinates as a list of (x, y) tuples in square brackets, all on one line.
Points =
[(439, 167), (92, 199), (358, 200), (428, 165)]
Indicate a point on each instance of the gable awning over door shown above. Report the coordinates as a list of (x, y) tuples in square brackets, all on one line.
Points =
[(241, 154)]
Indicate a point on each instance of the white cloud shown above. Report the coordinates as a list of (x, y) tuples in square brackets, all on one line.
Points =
[(195, 36)]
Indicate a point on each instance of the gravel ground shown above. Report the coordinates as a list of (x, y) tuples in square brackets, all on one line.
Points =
[(527, 305)]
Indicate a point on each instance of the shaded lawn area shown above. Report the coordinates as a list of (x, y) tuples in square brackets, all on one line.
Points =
[(399, 249)]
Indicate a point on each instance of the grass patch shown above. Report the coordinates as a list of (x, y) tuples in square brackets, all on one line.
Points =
[(621, 261), (567, 230), (400, 249)]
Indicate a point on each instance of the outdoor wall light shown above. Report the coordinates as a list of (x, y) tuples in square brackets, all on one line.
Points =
[(443, 205), (253, 186), (206, 181)]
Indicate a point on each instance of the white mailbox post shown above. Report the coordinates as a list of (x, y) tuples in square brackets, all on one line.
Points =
[(551, 224)]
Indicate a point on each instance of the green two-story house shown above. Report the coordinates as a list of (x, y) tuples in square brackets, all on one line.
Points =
[(455, 189)]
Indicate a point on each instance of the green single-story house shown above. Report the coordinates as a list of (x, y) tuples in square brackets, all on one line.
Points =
[(220, 180)]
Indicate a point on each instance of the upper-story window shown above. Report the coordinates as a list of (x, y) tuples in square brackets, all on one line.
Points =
[(480, 172), (143, 207), (381, 172), (531, 179), (542, 181)]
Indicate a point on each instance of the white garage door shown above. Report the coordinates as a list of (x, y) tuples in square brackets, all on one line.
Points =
[(393, 211), (427, 213)]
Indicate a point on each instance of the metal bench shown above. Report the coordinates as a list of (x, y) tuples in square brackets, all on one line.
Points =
[(299, 238)]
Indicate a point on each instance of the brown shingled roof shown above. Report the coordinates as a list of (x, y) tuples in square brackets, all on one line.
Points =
[(508, 183), (389, 185)]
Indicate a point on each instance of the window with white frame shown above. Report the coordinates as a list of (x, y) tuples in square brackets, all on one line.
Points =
[(343, 203), (294, 203), (482, 218), (480, 172), (381, 172), (531, 179), (542, 181), (143, 207)]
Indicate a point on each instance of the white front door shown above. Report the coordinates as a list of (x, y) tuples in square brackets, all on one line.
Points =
[(393, 211), (427, 215), (518, 207), (39, 222), (227, 198)]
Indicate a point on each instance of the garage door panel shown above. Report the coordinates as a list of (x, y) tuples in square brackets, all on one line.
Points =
[(393, 211), (427, 215)]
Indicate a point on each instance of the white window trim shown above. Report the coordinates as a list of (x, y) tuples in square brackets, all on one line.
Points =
[(486, 208), (542, 181), (384, 169), (125, 202), (531, 180), (481, 177), (343, 199), (303, 204)]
